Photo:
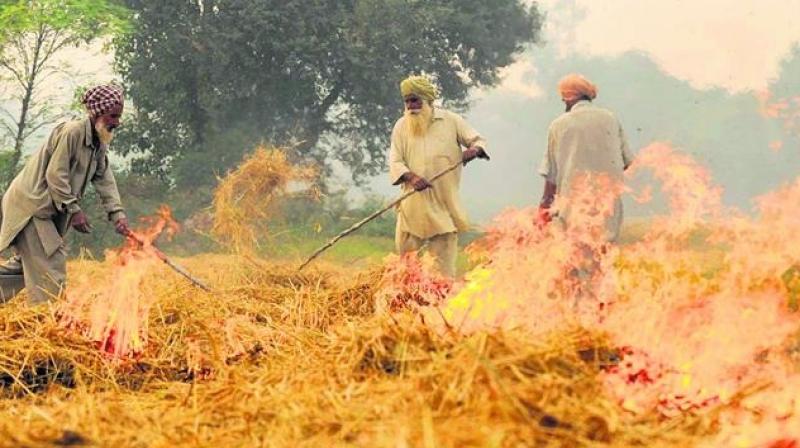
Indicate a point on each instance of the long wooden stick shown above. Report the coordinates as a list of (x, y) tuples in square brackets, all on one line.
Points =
[(175, 267), (369, 218)]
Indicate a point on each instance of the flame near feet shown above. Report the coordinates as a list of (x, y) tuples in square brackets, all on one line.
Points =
[(112, 309), (699, 309)]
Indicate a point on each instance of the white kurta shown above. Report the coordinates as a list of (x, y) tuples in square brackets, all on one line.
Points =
[(437, 210), (586, 139)]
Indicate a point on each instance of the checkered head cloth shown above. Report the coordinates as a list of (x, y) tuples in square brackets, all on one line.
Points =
[(101, 99)]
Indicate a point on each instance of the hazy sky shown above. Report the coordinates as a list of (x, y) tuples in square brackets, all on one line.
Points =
[(678, 71), (736, 45)]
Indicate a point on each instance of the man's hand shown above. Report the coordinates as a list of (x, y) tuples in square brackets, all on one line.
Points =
[(543, 216), (121, 226), (417, 182), (81, 223), (473, 153)]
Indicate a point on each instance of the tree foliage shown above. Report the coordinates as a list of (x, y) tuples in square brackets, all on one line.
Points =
[(32, 32), (211, 79)]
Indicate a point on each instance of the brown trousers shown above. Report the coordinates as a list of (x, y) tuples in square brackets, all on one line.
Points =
[(40, 264)]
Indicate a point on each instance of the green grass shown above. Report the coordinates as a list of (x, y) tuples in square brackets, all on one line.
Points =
[(362, 250), (359, 250), (355, 250)]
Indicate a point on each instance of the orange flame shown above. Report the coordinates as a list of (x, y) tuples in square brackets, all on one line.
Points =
[(409, 281), (114, 314), (540, 277), (696, 307)]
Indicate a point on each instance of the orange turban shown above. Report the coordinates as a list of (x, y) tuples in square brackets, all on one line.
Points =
[(573, 87)]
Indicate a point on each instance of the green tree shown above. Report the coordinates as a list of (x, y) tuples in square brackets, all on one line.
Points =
[(211, 79), (32, 33)]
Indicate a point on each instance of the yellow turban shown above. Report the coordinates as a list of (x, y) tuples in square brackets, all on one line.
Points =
[(573, 87), (418, 85)]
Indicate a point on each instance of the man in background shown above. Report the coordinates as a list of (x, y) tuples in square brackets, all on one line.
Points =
[(586, 139)]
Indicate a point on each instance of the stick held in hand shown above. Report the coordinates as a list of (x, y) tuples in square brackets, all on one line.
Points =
[(175, 267), (369, 218)]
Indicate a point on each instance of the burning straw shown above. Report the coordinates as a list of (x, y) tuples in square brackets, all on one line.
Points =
[(113, 311), (690, 338), (286, 359), (672, 345)]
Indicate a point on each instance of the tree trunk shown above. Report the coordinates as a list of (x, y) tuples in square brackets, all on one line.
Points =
[(27, 98)]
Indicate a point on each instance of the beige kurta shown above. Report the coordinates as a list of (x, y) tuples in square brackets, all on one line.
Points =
[(437, 210), (54, 179), (586, 139), (43, 275)]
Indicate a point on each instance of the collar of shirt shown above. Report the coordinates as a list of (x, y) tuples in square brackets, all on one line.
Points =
[(438, 114), (581, 104), (88, 133)]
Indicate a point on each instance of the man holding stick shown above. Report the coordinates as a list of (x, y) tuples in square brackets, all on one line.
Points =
[(425, 142), (42, 202)]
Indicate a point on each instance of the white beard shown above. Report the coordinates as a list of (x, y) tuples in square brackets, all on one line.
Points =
[(419, 122)]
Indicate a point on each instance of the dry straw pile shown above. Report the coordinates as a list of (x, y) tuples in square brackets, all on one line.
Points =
[(247, 196), (276, 358)]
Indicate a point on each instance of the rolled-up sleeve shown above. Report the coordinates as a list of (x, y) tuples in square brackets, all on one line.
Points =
[(106, 187), (469, 137), (548, 168), (397, 164), (57, 174)]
